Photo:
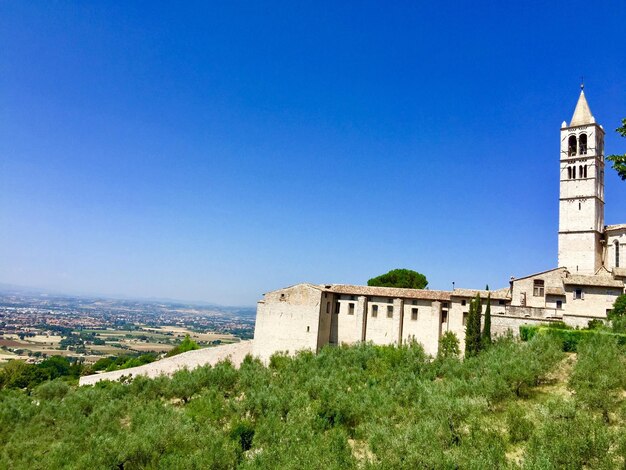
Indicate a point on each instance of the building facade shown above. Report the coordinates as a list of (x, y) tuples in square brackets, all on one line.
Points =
[(589, 277)]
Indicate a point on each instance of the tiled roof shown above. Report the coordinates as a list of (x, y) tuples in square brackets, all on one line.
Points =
[(619, 272), (387, 292), (599, 281), (500, 294), (539, 273), (610, 228)]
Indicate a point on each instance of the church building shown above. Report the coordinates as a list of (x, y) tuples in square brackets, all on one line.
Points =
[(583, 287)]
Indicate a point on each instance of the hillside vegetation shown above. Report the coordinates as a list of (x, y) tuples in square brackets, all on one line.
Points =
[(514, 405)]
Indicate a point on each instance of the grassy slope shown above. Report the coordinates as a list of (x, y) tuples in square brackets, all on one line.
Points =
[(356, 407)]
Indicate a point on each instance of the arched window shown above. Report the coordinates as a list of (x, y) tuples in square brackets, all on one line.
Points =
[(571, 145), (585, 170), (569, 172), (616, 254), (582, 143), (581, 172), (573, 172)]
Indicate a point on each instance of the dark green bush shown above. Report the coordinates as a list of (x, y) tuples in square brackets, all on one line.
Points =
[(569, 338)]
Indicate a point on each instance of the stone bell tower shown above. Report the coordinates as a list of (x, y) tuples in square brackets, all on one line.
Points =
[(581, 200)]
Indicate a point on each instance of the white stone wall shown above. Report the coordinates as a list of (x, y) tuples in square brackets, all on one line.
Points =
[(382, 329), (595, 302), (425, 330), (287, 320), (614, 236), (581, 202), (525, 288), (351, 325)]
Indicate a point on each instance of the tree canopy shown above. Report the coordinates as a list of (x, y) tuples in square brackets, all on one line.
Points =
[(619, 161), (403, 278)]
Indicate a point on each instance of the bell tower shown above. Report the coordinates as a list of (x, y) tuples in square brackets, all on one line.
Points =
[(581, 198)]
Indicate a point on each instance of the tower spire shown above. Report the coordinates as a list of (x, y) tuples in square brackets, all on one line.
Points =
[(582, 113)]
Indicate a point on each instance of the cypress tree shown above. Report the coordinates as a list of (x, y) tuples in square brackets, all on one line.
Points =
[(470, 336), (472, 329), (486, 338), (477, 319)]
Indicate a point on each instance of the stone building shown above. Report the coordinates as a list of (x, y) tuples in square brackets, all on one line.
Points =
[(584, 286)]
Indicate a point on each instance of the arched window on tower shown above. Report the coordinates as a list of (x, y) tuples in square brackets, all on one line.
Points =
[(573, 172), (569, 172), (585, 170), (571, 145), (582, 143), (616, 254), (581, 172)]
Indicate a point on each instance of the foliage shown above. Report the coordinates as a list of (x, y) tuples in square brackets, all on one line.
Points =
[(486, 334), (122, 362), (619, 161), (18, 374), (403, 278), (362, 406), (617, 315), (187, 344), (568, 338), (598, 375), (472, 328), (448, 346)]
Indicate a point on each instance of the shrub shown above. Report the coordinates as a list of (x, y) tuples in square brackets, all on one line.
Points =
[(448, 346), (567, 337), (186, 345)]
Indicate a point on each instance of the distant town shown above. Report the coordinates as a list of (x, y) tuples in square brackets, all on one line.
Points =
[(36, 325)]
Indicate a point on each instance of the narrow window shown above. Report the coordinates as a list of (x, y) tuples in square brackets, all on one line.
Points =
[(573, 172), (559, 304), (580, 206), (444, 317), (389, 311), (616, 254), (413, 314), (374, 311), (571, 151), (337, 307), (351, 309), (327, 307), (581, 172), (465, 314), (583, 144), (578, 295), (538, 288), (308, 329), (585, 170)]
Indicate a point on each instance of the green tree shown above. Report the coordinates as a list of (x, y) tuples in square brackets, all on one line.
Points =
[(619, 161), (617, 315), (598, 376), (187, 344), (472, 328), (404, 278), (448, 345), (486, 336)]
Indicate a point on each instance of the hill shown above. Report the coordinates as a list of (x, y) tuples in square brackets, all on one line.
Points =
[(516, 405)]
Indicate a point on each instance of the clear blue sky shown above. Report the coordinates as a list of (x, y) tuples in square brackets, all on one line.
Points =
[(217, 150)]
